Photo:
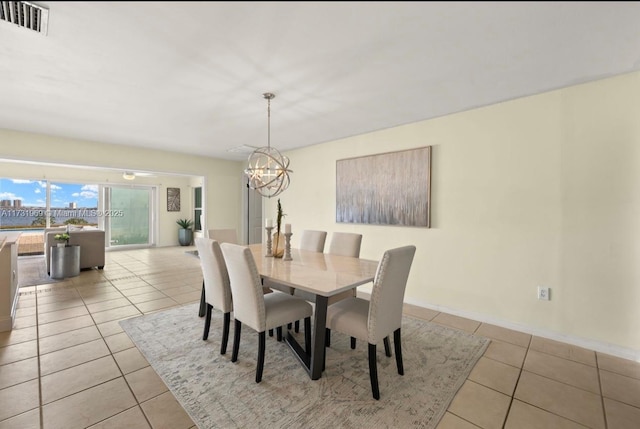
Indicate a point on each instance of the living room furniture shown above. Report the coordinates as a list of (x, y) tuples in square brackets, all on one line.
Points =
[(65, 261), (322, 276), (373, 321), (8, 278), (91, 242)]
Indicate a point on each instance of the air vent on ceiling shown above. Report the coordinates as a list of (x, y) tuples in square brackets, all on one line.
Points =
[(26, 15)]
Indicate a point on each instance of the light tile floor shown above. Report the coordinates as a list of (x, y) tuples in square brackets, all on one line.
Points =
[(68, 364)]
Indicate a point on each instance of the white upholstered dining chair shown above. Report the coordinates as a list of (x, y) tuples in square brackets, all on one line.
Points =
[(255, 309), (221, 236), (345, 244), (373, 321), (216, 285), (313, 240), (224, 235)]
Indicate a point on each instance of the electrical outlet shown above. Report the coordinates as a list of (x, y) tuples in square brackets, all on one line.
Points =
[(544, 293)]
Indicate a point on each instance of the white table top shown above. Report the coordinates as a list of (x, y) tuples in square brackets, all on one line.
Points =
[(318, 273)]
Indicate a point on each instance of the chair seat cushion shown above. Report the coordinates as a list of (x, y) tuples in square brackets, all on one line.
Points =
[(349, 316), (281, 309)]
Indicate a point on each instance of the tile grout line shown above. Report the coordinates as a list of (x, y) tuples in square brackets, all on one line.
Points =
[(40, 406)]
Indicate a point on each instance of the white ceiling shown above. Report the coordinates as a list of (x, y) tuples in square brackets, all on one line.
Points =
[(189, 76)]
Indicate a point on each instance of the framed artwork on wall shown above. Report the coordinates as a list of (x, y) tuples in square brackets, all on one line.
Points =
[(173, 199), (385, 189)]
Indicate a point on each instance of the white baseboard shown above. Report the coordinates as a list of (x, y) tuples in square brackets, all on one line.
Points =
[(598, 346), (586, 343)]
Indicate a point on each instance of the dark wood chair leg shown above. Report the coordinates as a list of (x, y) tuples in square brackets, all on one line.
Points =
[(387, 347), (236, 340), (398, 347), (353, 343), (327, 338), (296, 326), (203, 302), (289, 326), (225, 332), (271, 332), (373, 371), (207, 322), (279, 333), (260, 366), (307, 335)]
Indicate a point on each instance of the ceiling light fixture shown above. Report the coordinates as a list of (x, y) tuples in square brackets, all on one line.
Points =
[(128, 175), (268, 170)]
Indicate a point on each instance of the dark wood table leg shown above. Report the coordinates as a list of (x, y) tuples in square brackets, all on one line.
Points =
[(314, 362), (203, 303), (319, 334)]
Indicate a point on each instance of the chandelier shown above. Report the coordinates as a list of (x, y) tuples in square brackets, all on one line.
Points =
[(268, 170)]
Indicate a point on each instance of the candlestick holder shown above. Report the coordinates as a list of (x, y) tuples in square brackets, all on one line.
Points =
[(269, 251), (287, 246)]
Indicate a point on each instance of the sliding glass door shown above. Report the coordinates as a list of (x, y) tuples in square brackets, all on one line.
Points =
[(128, 215)]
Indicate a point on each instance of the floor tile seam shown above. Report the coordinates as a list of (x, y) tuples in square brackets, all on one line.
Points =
[(564, 358), (513, 393), (20, 341), (40, 413), (60, 309), (522, 370), (74, 345), (66, 318), (114, 308), (20, 382), (151, 397), (121, 412), (62, 332), (155, 290), (19, 414), (78, 364), (502, 362), (555, 414), (80, 391), (619, 401), (610, 371), (562, 382)]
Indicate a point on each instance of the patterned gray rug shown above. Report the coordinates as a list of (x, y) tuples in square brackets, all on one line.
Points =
[(220, 394)]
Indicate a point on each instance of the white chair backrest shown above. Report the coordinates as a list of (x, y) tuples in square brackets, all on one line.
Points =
[(345, 244), (387, 296), (214, 270), (224, 235), (246, 286), (313, 240)]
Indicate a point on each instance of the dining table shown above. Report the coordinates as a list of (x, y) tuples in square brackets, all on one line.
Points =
[(321, 276)]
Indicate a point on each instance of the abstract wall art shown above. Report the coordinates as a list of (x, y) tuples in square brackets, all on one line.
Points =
[(385, 189)]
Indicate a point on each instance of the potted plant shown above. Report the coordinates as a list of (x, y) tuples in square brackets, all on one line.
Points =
[(185, 233), (62, 239)]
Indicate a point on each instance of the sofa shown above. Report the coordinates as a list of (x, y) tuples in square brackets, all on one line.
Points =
[(90, 240)]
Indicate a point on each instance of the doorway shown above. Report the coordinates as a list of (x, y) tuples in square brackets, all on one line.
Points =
[(128, 215)]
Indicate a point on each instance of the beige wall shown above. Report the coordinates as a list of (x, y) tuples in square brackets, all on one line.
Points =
[(542, 190), (221, 178)]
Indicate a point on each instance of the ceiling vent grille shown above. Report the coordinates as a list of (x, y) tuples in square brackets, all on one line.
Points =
[(26, 15)]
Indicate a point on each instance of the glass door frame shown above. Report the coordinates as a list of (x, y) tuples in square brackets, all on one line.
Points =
[(103, 222)]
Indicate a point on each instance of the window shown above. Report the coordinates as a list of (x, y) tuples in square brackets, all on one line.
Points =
[(197, 208)]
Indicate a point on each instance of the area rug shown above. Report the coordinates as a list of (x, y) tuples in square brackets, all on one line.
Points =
[(217, 393), (32, 271)]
